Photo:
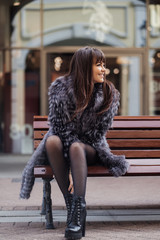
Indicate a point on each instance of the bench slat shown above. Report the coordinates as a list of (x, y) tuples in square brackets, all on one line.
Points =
[(126, 143), (147, 153), (39, 134), (134, 143), (134, 170), (144, 162), (40, 118), (136, 124), (133, 134), (116, 124), (43, 171), (117, 118), (137, 118), (40, 125)]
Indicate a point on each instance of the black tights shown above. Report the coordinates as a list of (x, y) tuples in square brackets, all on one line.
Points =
[(81, 155)]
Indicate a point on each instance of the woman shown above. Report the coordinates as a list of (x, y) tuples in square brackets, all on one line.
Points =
[(82, 105)]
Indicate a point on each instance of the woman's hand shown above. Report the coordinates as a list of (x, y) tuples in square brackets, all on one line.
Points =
[(70, 189)]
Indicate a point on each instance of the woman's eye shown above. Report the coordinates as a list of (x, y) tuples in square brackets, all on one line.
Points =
[(99, 65)]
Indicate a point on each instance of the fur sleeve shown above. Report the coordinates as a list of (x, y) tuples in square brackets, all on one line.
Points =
[(60, 108), (116, 164)]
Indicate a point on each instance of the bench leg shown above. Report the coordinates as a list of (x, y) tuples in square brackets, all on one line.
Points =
[(43, 209), (47, 203)]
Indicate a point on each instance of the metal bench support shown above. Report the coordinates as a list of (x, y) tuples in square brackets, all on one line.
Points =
[(47, 203)]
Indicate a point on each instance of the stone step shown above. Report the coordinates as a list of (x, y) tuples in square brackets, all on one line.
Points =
[(111, 215)]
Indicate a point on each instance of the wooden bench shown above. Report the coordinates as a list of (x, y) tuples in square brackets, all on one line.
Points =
[(138, 138)]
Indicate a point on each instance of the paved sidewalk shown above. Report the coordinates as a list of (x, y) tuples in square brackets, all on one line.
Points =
[(120, 205), (94, 231)]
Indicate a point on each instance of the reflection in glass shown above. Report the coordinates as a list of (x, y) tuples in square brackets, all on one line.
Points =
[(155, 83), (25, 31), (1, 101), (57, 65), (110, 23), (154, 25), (21, 100), (124, 73)]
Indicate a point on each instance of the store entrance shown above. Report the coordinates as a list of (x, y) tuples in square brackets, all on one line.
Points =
[(124, 70)]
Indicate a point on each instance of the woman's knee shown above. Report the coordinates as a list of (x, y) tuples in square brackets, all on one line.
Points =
[(54, 142), (76, 147)]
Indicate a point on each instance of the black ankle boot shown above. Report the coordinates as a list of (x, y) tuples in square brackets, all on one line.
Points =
[(68, 200), (76, 226)]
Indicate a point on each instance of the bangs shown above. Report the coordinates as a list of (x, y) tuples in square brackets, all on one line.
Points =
[(98, 55)]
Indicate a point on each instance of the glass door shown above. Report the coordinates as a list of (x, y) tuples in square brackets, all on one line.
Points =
[(125, 73)]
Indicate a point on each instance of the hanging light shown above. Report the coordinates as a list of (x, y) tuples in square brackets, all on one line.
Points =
[(16, 3), (116, 71), (57, 63), (158, 55), (107, 71)]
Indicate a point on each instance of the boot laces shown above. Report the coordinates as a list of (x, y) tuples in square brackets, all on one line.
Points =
[(76, 214)]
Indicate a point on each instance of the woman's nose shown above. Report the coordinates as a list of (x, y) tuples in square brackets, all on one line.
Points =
[(103, 69)]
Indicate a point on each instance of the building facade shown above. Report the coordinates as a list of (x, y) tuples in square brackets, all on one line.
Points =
[(39, 39)]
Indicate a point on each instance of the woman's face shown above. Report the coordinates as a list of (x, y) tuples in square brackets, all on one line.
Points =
[(98, 71)]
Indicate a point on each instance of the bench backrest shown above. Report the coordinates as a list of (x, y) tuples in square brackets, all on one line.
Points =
[(136, 137)]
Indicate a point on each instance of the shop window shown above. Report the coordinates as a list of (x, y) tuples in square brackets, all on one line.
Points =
[(21, 100), (26, 26), (154, 26), (155, 83)]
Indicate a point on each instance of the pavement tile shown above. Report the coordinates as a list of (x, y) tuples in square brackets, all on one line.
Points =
[(18, 208), (7, 208), (33, 208)]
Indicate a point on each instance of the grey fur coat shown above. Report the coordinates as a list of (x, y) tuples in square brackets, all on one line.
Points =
[(87, 127)]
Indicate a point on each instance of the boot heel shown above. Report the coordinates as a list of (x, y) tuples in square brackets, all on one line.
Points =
[(84, 228)]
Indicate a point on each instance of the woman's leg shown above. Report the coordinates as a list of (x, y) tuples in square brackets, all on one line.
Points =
[(81, 155), (54, 149)]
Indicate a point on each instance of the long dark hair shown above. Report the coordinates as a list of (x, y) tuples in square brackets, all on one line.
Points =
[(81, 71)]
